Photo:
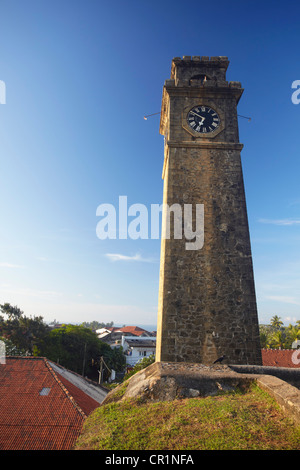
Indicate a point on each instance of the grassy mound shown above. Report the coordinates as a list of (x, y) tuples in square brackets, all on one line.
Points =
[(233, 421)]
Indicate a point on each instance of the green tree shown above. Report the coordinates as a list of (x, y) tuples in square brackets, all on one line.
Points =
[(145, 362), (115, 359), (293, 333), (264, 340), (79, 349), (266, 332), (276, 322), (25, 333), (10, 311), (278, 340), (95, 325), (277, 336), (11, 349)]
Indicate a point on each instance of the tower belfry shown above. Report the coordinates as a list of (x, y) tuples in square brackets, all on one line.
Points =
[(207, 303)]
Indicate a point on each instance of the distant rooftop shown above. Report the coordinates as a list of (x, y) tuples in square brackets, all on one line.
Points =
[(141, 342), (133, 330), (279, 358)]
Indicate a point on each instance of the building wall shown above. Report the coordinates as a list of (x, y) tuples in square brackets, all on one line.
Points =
[(137, 353)]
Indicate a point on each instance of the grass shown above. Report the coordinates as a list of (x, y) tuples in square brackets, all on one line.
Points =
[(234, 421)]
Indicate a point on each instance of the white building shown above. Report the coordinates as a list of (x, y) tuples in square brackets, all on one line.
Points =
[(138, 347)]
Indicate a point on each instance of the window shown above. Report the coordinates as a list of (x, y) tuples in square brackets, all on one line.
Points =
[(45, 391)]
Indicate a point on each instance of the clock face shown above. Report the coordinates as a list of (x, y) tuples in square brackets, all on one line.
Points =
[(203, 119)]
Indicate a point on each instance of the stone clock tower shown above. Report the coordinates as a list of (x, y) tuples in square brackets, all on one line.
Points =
[(207, 303)]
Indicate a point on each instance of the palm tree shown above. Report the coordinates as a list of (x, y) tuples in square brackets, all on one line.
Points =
[(276, 322), (278, 340), (294, 333), (264, 340)]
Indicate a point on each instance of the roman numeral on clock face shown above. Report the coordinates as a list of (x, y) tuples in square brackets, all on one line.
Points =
[(203, 119)]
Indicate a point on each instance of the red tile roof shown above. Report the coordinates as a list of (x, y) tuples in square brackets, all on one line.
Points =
[(30, 421), (134, 330), (280, 357), (87, 404)]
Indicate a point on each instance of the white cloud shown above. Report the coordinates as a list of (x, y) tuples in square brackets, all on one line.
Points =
[(120, 257), (284, 298), (291, 319), (280, 221)]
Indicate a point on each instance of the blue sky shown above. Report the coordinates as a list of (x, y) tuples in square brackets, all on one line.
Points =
[(80, 76)]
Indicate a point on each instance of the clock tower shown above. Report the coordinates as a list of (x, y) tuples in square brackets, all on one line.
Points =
[(207, 303)]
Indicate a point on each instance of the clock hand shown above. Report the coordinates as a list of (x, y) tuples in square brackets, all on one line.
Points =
[(198, 115)]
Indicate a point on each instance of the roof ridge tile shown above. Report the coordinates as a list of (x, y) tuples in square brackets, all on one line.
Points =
[(70, 397)]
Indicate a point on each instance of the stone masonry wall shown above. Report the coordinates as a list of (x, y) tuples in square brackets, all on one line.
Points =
[(207, 303)]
